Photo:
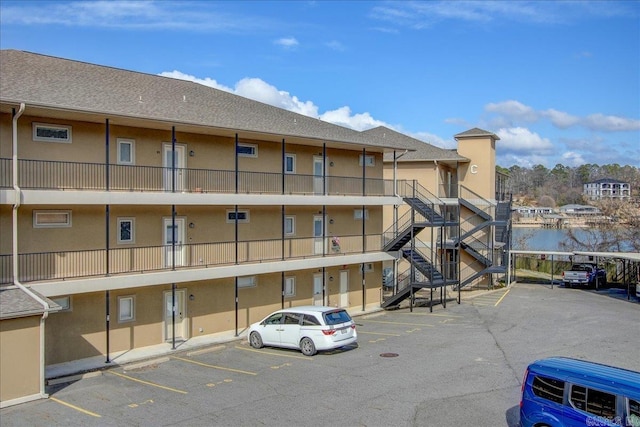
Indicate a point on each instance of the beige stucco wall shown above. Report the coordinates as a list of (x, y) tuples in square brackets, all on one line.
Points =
[(81, 332), (480, 174), (19, 357)]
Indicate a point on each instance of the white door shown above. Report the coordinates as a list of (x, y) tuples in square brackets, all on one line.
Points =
[(180, 315), (318, 231), (174, 166), (174, 254), (318, 175), (344, 288), (317, 290)]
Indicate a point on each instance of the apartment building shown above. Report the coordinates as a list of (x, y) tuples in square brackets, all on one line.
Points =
[(607, 188), (137, 209)]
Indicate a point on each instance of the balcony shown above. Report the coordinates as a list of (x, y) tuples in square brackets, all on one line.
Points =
[(64, 265), (54, 175)]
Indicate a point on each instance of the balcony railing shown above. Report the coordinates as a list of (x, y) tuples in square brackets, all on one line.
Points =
[(64, 265), (54, 175)]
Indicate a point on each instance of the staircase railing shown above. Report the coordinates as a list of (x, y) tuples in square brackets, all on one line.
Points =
[(478, 201)]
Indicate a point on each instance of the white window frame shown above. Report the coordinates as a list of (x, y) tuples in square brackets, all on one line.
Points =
[(289, 286), (253, 147), (293, 163), (132, 151), (247, 282), (37, 126), (131, 299), (38, 214), (64, 302), (370, 160), (231, 212), (132, 239), (292, 220), (357, 214)]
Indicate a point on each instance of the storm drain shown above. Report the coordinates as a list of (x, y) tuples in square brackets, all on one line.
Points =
[(388, 354)]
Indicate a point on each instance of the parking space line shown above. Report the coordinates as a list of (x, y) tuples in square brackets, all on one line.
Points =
[(502, 297), (84, 411), (434, 314), (379, 333), (195, 362), (400, 323), (148, 383), (274, 354)]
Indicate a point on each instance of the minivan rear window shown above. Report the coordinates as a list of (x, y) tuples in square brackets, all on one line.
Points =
[(548, 388), (337, 317)]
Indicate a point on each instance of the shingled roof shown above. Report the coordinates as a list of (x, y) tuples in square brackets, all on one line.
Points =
[(56, 83), (422, 150), (476, 132), (14, 302)]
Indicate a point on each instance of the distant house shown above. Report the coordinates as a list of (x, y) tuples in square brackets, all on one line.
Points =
[(579, 210), (532, 211), (607, 188)]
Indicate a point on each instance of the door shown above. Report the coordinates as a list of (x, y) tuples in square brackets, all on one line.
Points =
[(318, 232), (317, 290), (180, 315), (290, 333), (344, 288), (174, 254), (318, 175), (271, 328), (174, 163)]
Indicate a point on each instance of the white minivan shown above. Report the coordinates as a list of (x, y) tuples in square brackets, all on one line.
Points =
[(308, 328)]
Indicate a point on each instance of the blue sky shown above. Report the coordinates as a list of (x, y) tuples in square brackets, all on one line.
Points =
[(557, 81)]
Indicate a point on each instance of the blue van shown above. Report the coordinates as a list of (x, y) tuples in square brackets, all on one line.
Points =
[(564, 392)]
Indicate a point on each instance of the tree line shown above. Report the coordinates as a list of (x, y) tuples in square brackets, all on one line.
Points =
[(563, 185)]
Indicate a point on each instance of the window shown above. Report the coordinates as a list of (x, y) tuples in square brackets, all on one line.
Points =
[(63, 302), (368, 267), (634, 413), (51, 133), (289, 225), (247, 282), (126, 309), (243, 216), (289, 163), (292, 319), (289, 286), (126, 230), (247, 150), (126, 154), (548, 388), (51, 219), (357, 214), (309, 320), (369, 160)]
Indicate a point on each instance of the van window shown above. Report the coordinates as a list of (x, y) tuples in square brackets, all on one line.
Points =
[(634, 413), (593, 401), (548, 388)]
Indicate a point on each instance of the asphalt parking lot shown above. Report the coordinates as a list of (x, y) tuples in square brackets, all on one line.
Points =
[(462, 365)]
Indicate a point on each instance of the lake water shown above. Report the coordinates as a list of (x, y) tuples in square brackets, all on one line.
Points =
[(539, 239)]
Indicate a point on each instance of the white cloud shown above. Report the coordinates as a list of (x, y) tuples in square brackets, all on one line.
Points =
[(571, 158), (335, 45), (343, 117), (523, 140), (206, 81), (287, 42), (560, 118), (514, 110), (259, 90), (610, 123)]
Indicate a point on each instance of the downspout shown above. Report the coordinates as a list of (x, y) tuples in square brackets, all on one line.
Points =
[(16, 279)]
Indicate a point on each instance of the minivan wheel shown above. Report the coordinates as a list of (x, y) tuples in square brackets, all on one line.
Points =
[(307, 347), (255, 340)]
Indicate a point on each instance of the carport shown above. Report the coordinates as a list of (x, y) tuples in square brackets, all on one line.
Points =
[(630, 262)]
